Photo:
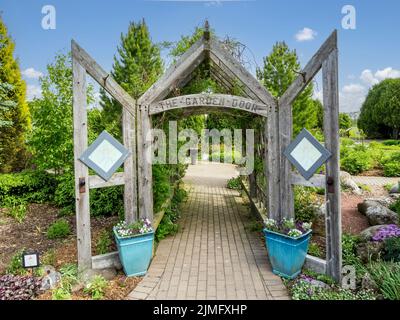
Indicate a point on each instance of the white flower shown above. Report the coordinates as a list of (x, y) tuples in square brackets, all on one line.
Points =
[(294, 233), (306, 225)]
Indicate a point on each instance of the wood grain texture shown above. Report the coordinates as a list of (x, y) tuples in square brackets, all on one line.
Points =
[(117, 179), (331, 133), (211, 101), (317, 181), (83, 233), (130, 176), (103, 78)]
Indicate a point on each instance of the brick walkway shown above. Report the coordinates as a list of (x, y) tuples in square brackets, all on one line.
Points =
[(214, 255)]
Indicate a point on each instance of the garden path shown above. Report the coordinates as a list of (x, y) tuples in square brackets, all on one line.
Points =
[(214, 255), (375, 181)]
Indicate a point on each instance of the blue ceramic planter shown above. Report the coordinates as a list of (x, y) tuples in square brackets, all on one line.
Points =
[(286, 254), (135, 253)]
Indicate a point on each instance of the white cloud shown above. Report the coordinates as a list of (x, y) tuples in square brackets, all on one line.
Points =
[(33, 91), (352, 96), (31, 73), (305, 34)]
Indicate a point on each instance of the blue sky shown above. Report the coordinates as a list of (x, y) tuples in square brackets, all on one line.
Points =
[(368, 54)]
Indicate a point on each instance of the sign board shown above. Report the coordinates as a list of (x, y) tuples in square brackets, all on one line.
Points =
[(30, 259), (105, 155), (209, 100), (306, 154)]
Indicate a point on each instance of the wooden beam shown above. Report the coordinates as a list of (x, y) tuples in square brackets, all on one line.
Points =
[(271, 162), (317, 181), (81, 171), (285, 167), (240, 72), (309, 72), (210, 101), (331, 133), (103, 78), (177, 72), (130, 185), (117, 179), (224, 70)]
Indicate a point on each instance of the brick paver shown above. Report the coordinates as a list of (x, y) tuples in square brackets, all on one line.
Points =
[(214, 255)]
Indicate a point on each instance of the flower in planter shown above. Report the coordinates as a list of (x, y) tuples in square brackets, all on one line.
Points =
[(142, 226), (288, 227)]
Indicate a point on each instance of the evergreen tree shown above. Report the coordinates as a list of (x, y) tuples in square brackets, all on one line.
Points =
[(13, 154), (136, 67), (280, 69)]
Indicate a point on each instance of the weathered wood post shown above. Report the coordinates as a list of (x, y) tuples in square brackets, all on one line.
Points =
[(81, 171), (331, 133)]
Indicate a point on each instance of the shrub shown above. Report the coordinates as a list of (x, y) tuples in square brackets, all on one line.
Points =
[(349, 255), (14, 287), (391, 165), (356, 161), (96, 287), (234, 184), (61, 293), (391, 142), (304, 204), (387, 277), (28, 186), (104, 242), (395, 206), (59, 229), (392, 249), (314, 250), (15, 265)]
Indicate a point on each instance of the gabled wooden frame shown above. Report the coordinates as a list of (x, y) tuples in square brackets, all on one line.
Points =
[(277, 133), (82, 63)]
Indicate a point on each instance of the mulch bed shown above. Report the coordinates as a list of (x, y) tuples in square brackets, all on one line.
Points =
[(31, 234)]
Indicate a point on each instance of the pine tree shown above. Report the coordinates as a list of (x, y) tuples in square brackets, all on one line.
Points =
[(13, 154), (136, 67), (280, 69)]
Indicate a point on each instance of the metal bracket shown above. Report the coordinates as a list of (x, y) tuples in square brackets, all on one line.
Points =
[(82, 185)]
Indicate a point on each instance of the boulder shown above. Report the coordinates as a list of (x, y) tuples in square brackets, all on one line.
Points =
[(377, 214), (395, 189), (108, 274), (367, 283), (367, 234), (51, 278), (370, 251), (385, 201), (347, 182)]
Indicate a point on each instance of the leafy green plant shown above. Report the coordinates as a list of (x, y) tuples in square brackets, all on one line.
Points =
[(61, 293), (356, 161), (96, 287), (15, 265), (395, 206), (104, 242), (234, 184), (304, 204), (59, 229), (387, 277), (16, 208), (349, 255), (392, 249), (49, 257), (314, 250)]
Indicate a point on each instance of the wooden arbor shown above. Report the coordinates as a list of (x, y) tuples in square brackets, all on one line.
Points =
[(226, 70)]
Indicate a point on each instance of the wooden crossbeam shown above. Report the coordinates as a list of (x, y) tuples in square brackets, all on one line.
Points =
[(210, 101), (103, 78), (309, 71)]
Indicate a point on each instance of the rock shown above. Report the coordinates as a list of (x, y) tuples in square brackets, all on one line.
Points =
[(108, 274), (395, 189), (370, 251), (367, 283), (51, 278), (385, 201), (347, 182), (319, 284), (377, 214), (367, 234)]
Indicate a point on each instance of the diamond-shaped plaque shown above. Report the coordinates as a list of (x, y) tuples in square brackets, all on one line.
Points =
[(105, 155), (306, 154)]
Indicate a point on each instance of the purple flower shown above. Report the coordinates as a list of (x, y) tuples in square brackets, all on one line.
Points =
[(386, 232)]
